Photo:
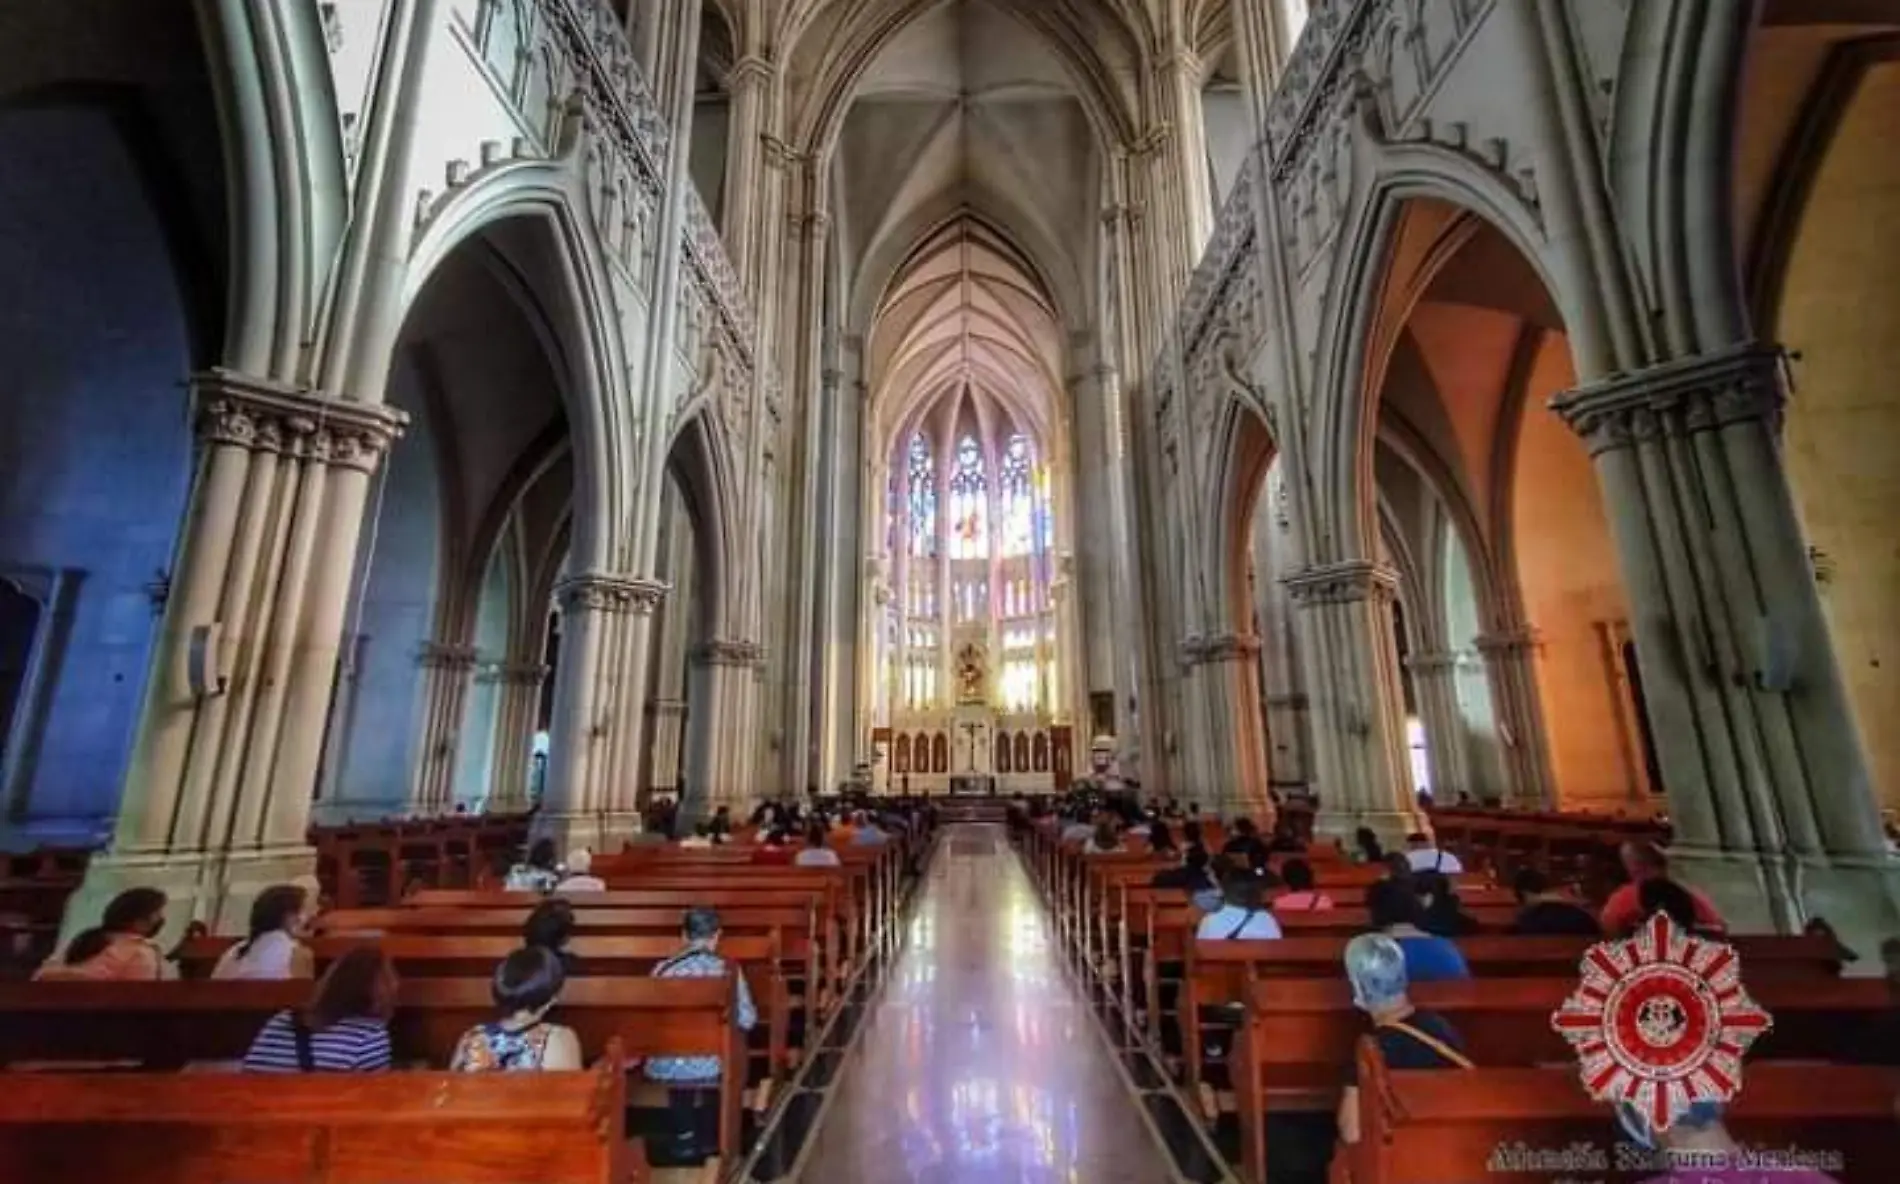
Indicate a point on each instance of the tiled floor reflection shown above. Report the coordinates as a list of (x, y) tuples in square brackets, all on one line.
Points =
[(979, 1063)]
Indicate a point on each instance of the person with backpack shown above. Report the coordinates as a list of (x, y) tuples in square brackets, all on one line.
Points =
[(1408, 1037), (1243, 915)]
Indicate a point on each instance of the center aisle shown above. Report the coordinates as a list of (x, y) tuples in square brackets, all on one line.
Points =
[(981, 1063)]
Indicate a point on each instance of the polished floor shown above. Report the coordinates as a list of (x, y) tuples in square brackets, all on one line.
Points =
[(979, 1063)]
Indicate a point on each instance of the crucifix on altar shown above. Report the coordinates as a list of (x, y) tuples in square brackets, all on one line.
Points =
[(972, 744)]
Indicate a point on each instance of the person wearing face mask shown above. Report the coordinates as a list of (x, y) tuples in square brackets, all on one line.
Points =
[(122, 947), (274, 949), (1408, 1038)]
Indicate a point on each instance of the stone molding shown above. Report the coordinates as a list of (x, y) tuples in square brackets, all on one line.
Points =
[(724, 652), (1431, 663), (264, 416), (1342, 583), (438, 655), (673, 708), (1217, 648), (517, 674), (1518, 641), (1677, 399), (602, 593)]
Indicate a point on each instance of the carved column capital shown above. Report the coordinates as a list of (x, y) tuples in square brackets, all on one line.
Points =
[(1440, 663), (1217, 648), (1342, 583), (516, 674), (1509, 642), (1678, 398), (726, 652), (598, 592), (248, 412), (439, 655)]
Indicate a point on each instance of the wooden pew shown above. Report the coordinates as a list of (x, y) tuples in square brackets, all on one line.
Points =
[(1290, 1051), (166, 1026), (386, 1128), (1422, 1127), (1218, 972), (439, 956)]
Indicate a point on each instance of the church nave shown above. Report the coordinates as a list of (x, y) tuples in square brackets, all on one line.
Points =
[(979, 1061)]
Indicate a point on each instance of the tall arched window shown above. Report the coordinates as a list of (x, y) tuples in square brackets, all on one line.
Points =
[(969, 503), (923, 498), (1018, 497)]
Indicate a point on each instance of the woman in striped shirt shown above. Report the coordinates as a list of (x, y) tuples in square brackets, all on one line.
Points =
[(345, 1027)]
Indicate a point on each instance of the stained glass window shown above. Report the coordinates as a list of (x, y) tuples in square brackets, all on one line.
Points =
[(969, 504), (1018, 496), (923, 498)]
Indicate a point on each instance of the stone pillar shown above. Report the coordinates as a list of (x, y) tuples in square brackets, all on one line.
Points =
[(1510, 663), (1435, 683), (449, 670), (520, 701), (1768, 788), (598, 709), (217, 795), (1184, 171), (1072, 703), (1227, 751), (1344, 617), (723, 682)]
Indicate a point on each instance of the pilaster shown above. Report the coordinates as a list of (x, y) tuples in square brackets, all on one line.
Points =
[(520, 683), (598, 709), (1435, 683), (1510, 664), (230, 731), (1226, 752), (1343, 613), (724, 679), (448, 673), (1768, 786)]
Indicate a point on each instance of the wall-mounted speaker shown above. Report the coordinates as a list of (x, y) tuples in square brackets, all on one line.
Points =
[(204, 660)]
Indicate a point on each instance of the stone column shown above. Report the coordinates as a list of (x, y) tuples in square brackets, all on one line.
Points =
[(1768, 788), (1226, 747), (597, 710), (449, 670), (1072, 705), (1510, 663), (520, 701), (718, 765), (1344, 618), (1435, 682), (218, 789), (1184, 171)]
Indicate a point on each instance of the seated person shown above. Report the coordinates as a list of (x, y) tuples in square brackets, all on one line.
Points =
[(123, 947), (525, 988), (1678, 902), (701, 837), (343, 1029), (1077, 829), (537, 872), (775, 850), (1643, 862), (1546, 911), (1257, 863), (1243, 915), (1192, 873), (1408, 1038), (1443, 913), (693, 1082), (1160, 838), (1424, 855), (1299, 896), (580, 875), (1395, 910), (274, 949), (817, 852), (866, 832), (1245, 841), (1106, 839), (1366, 846), (551, 927)]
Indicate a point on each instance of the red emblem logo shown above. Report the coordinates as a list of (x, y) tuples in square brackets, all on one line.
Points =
[(1661, 1021)]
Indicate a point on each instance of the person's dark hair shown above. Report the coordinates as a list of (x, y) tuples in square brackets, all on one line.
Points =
[(1191, 834), (87, 945), (274, 909), (815, 834), (1243, 890), (1666, 896), (701, 924), (1160, 838), (1298, 875), (1393, 902), (1197, 858), (359, 985), (1397, 867), (1368, 843), (542, 854), (1529, 882), (1243, 828), (550, 926), (130, 911), (528, 980), (1418, 838), (776, 837)]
